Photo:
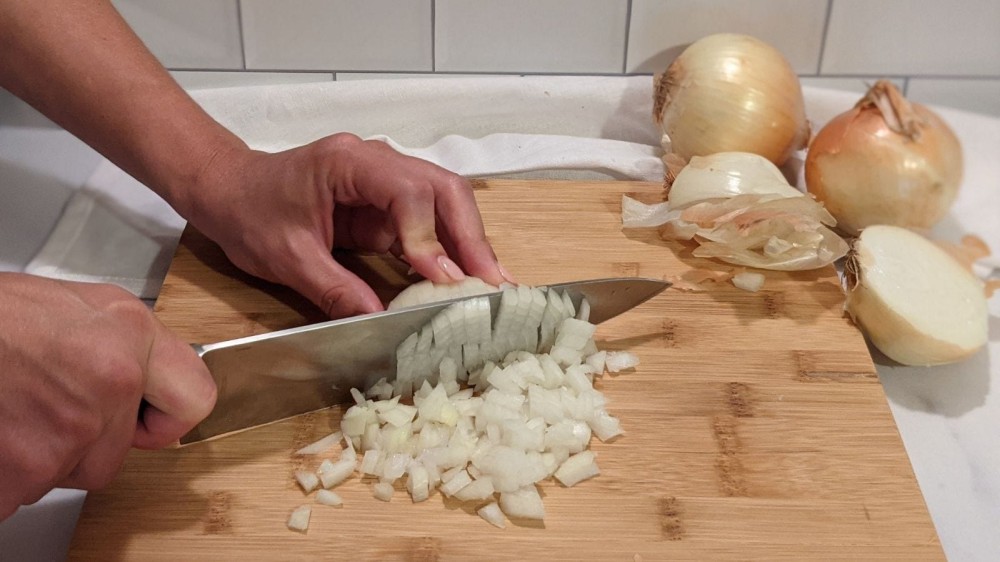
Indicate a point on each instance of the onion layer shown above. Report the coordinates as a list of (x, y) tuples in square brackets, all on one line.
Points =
[(886, 161), (729, 92)]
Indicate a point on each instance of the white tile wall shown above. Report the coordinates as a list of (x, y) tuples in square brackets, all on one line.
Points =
[(187, 33), (381, 35), (981, 96), (194, 80), (661, 29), (946, 52), (586, 36), (913, 37)]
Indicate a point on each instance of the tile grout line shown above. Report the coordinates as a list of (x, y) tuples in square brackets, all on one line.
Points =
[(239, 23), (906, 86), (822, 44), (434, 36), (628, 30)]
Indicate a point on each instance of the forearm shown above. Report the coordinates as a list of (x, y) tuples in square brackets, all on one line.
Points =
[(80, 64)]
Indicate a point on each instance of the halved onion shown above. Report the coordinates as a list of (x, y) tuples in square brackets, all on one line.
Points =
[(917, 304)]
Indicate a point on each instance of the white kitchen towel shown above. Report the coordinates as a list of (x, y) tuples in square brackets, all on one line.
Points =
[(114, 230)]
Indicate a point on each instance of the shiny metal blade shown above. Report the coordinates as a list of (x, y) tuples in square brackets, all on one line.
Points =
[(271, 377)]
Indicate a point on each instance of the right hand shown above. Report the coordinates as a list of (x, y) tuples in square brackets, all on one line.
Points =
[(76, 360)]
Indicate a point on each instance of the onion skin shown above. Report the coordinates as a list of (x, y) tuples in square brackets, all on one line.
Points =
[(731, 93), (866, 173)]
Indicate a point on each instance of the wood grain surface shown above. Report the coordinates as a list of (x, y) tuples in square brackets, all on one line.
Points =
[(756, 427)]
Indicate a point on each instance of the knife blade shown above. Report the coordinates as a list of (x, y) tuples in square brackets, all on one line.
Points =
[(270, 377)]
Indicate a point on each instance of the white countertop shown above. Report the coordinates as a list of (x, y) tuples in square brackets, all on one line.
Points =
[(947, 416)]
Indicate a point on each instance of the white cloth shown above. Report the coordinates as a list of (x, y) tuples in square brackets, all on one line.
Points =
[(115, 231)]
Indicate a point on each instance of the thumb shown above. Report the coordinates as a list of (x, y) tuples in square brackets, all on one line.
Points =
[(179, 392), (329, 285)]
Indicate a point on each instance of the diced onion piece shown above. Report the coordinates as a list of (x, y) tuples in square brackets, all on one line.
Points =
[(383, 491), (456, 483), (381, 390), (605, 426), (355, 419), (299, 519), (493, 515), (307, 480), (337, 473), (327, 497), (596, 361), (398, 415), (749, 281), (417, 483), (395, 466), (480, 489), (524, 503), (321, 445), (617, 361), (577, 468), (370, 461)]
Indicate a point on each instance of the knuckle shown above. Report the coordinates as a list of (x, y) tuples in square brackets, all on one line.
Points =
[(40, 470), (455, 185), (130, 313), (122, 380), (339, 142), (332, 298)]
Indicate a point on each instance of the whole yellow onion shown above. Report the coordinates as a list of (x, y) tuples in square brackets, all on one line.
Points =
[(886, 161), (730, 93)]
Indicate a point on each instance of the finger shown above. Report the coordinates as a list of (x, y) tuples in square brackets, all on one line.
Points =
[(413, 215), (462, 232), (104, 459), (179, 390), (338, 292), (363, 228)]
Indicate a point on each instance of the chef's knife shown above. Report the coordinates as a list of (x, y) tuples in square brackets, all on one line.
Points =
[(270, 377)]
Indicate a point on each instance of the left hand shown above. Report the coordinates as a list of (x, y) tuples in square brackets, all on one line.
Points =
[(278, 216)]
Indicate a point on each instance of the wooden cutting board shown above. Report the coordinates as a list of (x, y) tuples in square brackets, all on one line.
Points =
[(756, 425)]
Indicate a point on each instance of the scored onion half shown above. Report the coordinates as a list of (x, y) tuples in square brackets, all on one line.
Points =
[(916, 303), (730, 92)]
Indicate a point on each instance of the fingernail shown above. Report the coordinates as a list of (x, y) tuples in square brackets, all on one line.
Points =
[(505, 274), (451, 268)]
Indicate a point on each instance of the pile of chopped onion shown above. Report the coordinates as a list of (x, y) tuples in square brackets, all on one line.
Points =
[(482, 410), (741, 210)]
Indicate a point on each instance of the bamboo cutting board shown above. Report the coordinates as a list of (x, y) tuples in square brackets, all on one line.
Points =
[(756, 427)]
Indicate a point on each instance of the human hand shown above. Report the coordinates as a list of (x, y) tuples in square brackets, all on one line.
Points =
[(278, 216), (76, 359)]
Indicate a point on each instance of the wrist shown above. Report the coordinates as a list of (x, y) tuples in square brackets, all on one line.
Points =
[(218, 164)]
